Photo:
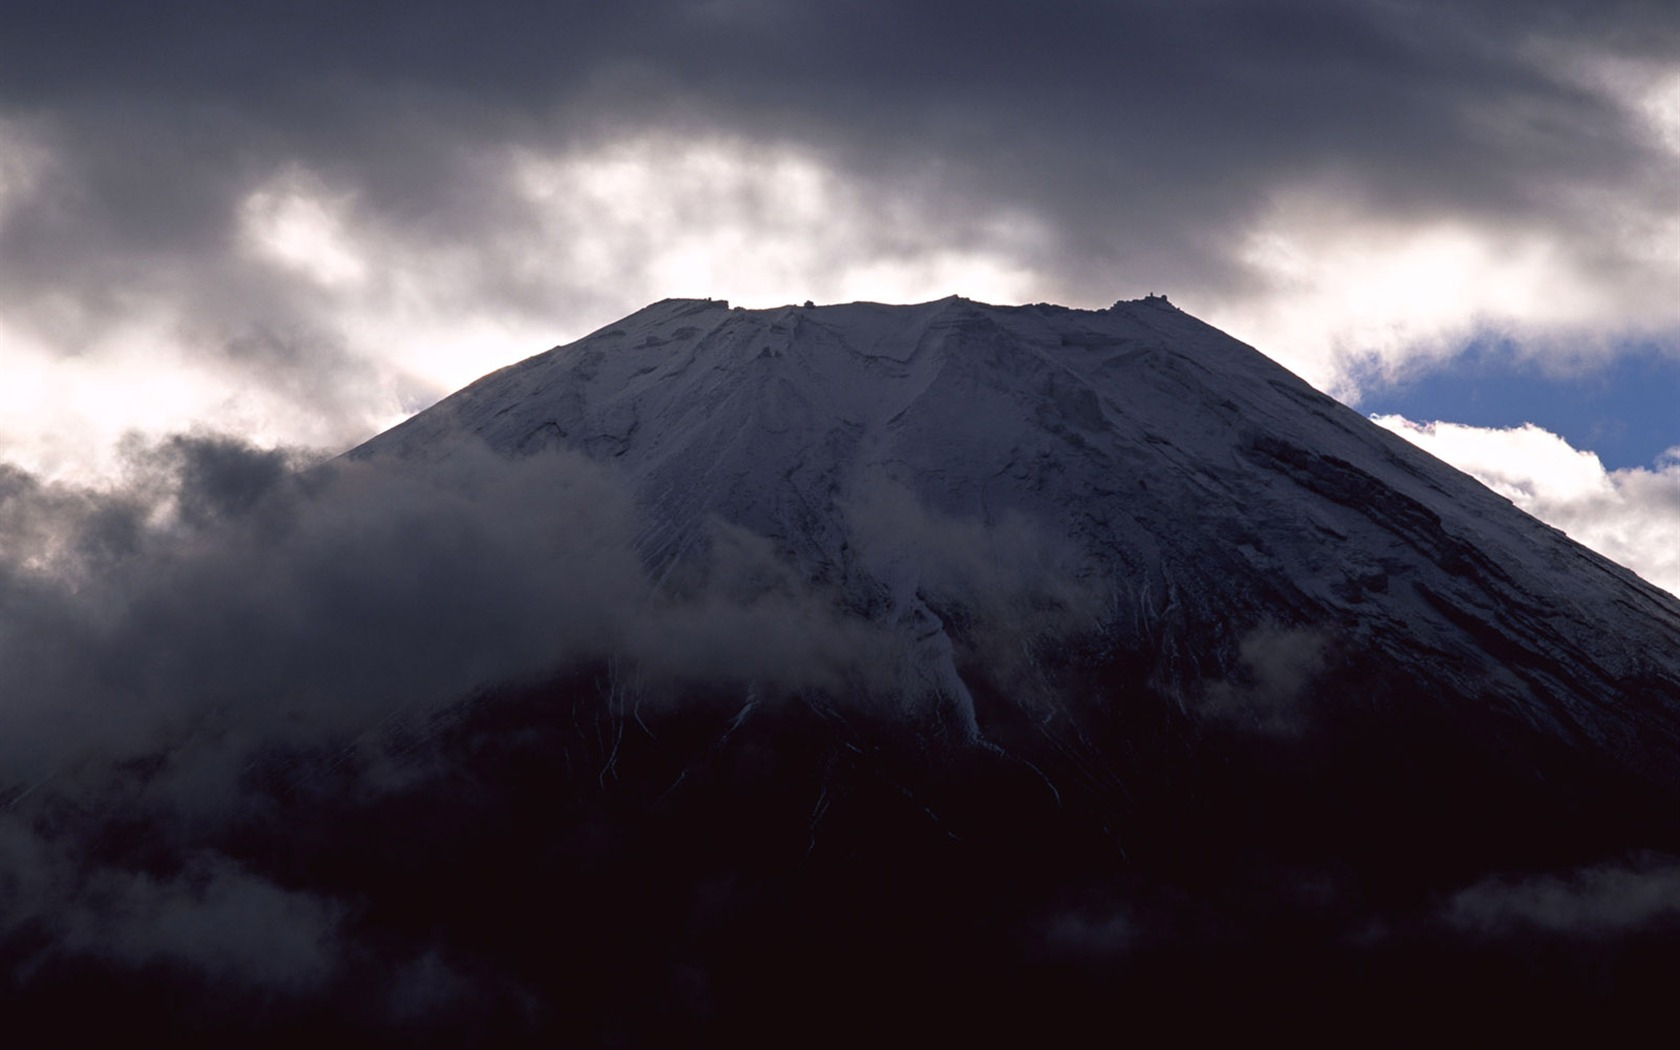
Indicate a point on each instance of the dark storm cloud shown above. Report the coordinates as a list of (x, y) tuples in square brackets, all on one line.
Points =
[(1143, 134)]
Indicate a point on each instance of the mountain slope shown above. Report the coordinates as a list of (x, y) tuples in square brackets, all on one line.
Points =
[(1204, 505)]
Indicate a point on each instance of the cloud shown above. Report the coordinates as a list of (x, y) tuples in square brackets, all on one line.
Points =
[(221, 597), (1355, 296), (214, 916), (1086, 935), (313, 231), (1008, 576), (161, 634), (1608, 900), (209, 914), (739, 614), (1631, 516), (186, 595), (1269, 691), (223, 617)]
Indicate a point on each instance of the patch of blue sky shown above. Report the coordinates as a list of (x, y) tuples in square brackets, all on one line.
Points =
[(1627, 410)]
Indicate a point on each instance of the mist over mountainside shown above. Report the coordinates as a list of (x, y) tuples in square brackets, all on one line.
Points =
[(728, 673)]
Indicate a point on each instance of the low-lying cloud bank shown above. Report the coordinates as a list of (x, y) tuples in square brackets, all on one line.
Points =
[(217, 591), (1602, 901), (1631, 516), (219, 601)]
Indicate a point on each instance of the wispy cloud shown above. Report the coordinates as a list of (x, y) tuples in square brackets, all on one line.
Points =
[(1602, 901)]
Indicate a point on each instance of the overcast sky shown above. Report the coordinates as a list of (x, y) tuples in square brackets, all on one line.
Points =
[(301, 221)]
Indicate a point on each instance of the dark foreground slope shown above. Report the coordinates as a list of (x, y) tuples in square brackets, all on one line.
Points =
[(1022, 674)]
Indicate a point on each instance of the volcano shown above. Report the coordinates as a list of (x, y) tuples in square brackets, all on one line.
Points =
[(1206, 685), (1214, 506), (991, 672)]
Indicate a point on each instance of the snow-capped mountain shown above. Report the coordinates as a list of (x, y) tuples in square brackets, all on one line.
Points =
[(1185, 685), (837, 675), (1215, 512)]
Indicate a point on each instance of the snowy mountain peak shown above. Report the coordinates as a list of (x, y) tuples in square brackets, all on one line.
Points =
[(1164, 478)]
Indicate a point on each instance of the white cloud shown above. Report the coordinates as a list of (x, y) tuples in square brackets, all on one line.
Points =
[(298, 225), (64, 416), (1345, 285), (1631, 516), (409, 312), (1344, 291), (1661, 106), (760, 225)]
